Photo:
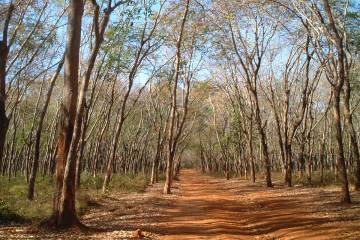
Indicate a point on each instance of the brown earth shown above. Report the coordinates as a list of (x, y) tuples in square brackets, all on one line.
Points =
[(203, 207)]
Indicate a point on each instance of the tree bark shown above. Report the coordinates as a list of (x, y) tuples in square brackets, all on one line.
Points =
[(64, 212), (337, 88), (4, 52), (340, 149)]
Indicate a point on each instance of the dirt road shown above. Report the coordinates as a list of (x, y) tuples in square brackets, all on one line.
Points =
[(203, 207), (209, 208)]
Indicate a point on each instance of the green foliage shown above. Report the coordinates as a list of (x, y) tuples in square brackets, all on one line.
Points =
[(119, 183), (15, 208), (162, 176), (89, 181), (329, 179), (354, 79), (8, 215), (351, 20), (129, 183), (187, 164), (220, 174)]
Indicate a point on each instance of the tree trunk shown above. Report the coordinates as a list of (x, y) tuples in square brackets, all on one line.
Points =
[(172, 141), (337, 88), (4, 52), (322, 152), (64, 212), (35, 162), (109, 167), (155, 164), (340, 148), (352, 133), (288, 170), (81, 149), (251, 150), (264, 146), (169, 173)]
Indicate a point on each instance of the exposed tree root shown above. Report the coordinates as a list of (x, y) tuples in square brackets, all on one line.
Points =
[(51, 224)]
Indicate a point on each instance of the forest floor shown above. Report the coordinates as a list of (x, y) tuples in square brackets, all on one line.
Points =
[(204, 207)]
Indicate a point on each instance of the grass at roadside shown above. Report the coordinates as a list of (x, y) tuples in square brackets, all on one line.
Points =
[(329, 179), (15, 208)]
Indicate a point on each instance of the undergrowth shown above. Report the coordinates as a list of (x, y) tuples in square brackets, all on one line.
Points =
[(329, 179), (15, 208)]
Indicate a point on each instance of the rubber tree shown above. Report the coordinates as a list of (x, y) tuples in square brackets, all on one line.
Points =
[(64, 212), (4, 52), (144, 49), (250, 60), (172, 136), (35, 163)]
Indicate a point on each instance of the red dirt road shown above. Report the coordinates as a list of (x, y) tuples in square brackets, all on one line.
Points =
[(209, 208), (203, 207)]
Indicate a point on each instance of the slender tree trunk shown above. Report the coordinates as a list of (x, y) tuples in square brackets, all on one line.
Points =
[(155, 164), (286, 142), (81, 149), (337, 88), (352, 132), (114, 145), (322, 152), (264, 146), (340, 148), (288, 173), (4, 52), (251, 150), (172, 141), (35, 162), (104, 128), (252, 164), (169, 173)]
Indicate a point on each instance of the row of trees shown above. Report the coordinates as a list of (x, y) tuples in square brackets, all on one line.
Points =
[(139, 86), (119, 109), (282, 68)]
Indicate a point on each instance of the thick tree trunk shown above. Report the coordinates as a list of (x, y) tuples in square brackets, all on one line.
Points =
[(64, 212)]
